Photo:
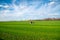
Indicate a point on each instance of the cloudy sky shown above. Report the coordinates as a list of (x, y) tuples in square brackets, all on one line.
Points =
[(29, 9)]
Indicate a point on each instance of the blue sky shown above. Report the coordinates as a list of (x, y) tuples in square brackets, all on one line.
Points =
[(14, 10)]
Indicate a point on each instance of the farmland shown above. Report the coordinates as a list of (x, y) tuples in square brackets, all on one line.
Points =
[(23, 30)]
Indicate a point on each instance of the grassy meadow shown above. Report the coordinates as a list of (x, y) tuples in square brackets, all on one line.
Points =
[(23, 30)]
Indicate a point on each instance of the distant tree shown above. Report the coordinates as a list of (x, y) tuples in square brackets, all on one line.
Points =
[(31, 22)]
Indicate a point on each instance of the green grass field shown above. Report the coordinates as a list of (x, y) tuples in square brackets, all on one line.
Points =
[(23, 30)]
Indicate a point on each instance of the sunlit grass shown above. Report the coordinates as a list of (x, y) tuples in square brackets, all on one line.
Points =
[(23, 30)]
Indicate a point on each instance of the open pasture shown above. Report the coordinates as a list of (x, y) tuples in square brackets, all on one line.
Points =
[(23, 30)]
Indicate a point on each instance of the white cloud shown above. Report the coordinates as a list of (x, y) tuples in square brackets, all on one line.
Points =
[(51, 3), (53, 14), (4, 6), (25, 12), (1, 5)]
